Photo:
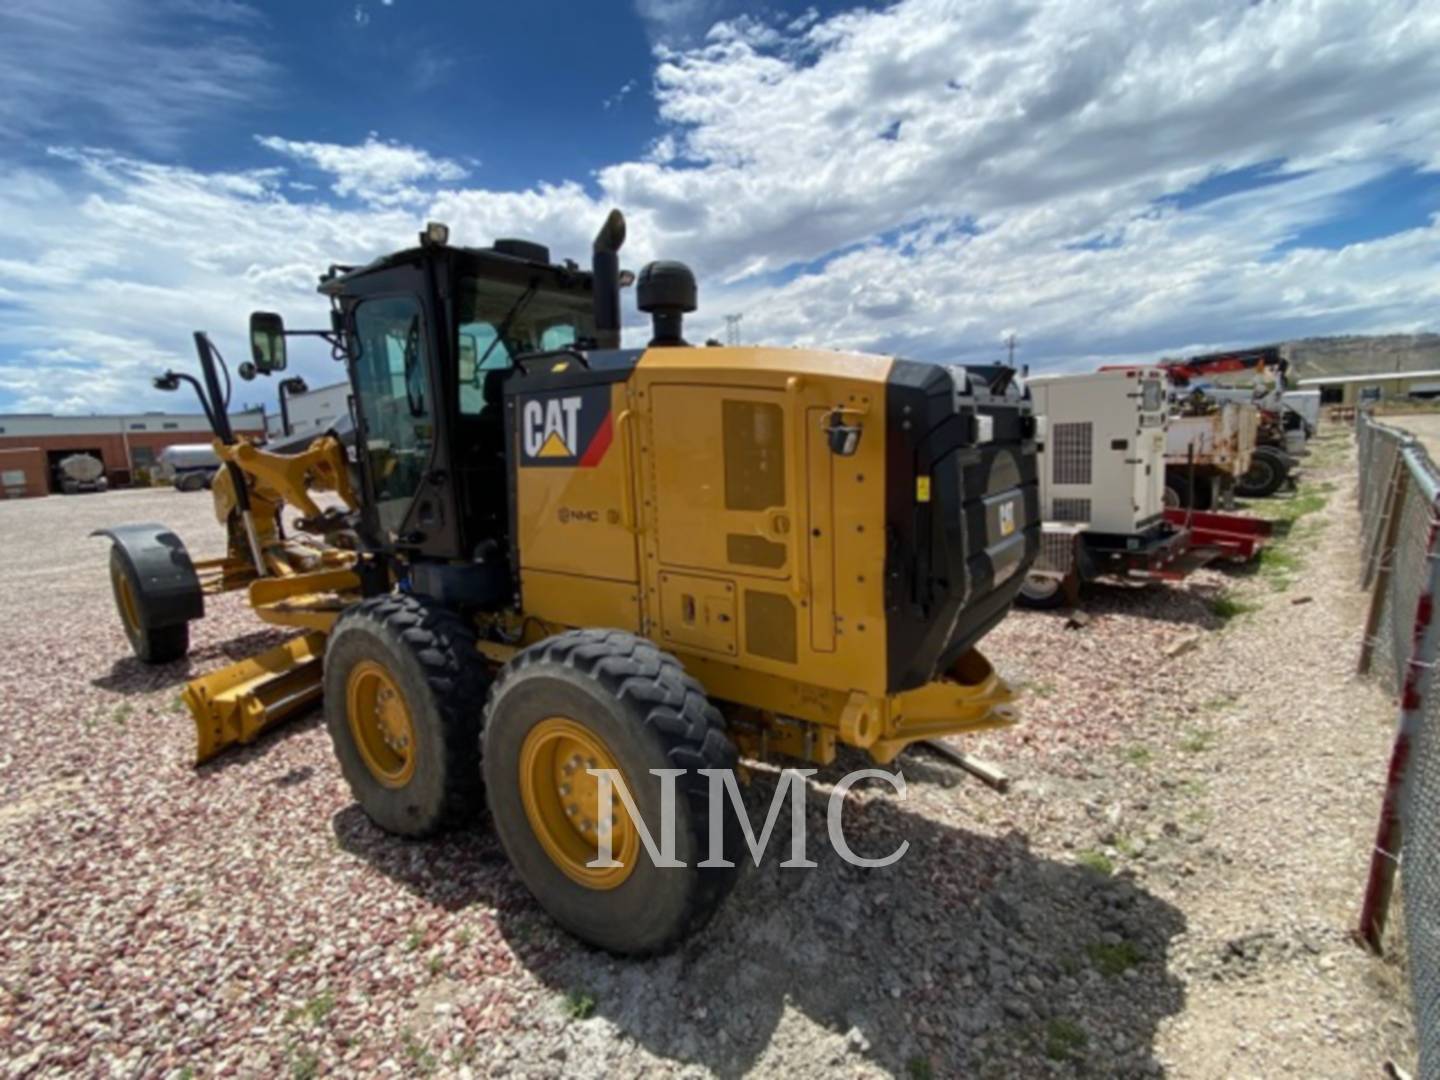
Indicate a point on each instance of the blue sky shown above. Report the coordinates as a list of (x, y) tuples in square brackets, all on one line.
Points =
[(920, 177)]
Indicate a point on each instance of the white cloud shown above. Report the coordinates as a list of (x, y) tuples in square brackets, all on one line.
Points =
[(918, 179), (132, 68), (384, 173)]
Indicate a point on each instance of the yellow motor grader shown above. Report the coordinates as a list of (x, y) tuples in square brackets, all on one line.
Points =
[(541, 555)]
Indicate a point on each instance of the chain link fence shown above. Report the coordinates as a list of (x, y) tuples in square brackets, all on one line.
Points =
[(1399, 490)]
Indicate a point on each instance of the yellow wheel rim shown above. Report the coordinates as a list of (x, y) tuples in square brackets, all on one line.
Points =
[(125, 600), (562, 802), (380, 723)]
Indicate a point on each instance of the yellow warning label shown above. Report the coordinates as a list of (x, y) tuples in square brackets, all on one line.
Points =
[(554, 446), (922, 489)]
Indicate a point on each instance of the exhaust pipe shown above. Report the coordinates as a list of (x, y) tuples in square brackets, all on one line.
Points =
[(605, 275)]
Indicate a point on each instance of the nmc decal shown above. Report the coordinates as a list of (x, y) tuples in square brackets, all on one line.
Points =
[(570, 427)]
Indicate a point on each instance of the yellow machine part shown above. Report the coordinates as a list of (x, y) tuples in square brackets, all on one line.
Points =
[(237, 703)]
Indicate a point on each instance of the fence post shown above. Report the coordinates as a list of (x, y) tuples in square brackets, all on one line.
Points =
[(1425, 643)]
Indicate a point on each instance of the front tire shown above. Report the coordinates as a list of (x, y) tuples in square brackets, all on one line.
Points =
[(151, 644), (607, 699), (404, 688)]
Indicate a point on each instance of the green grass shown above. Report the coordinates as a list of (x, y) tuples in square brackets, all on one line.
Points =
[(579, 1005), (304, 1064), (1198, 740), (1138, 755), (1228, 607), (1114, 960), (1064, 1039), (1277, 563), (436, 965), (1126, 846), (1041, 689), (421, 1058), (465, 937), (313, 1011), (414, 939), (123, 712), (1095, 860), (919, 1068)]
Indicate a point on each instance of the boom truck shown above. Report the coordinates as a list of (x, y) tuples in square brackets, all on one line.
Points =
[(1281, 430), (545, 555)]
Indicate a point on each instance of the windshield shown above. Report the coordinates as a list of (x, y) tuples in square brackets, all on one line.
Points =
[(500, 320)]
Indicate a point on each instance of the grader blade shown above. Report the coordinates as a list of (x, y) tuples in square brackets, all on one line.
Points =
[(237, 703)]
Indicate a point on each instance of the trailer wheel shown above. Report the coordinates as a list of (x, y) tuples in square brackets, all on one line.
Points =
[(1040, 592), (1265, 476), (152, 644), (403, 692), (598, 699)]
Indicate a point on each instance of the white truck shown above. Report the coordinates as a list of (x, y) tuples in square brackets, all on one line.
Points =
[(188, 466), (1102, 481), (82, 472), (1208, 447)]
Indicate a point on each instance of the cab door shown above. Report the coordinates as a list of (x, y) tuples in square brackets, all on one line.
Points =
[(400, 423)]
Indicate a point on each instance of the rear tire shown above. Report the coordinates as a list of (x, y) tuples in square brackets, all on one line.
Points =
[(632, 704), (151, 644), (404, 689), (1265, 476)]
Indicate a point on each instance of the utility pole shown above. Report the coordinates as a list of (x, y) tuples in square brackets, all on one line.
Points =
[(1010, 347), (732, 329)]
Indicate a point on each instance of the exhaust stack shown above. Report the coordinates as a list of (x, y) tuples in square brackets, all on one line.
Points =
[(605, 272)]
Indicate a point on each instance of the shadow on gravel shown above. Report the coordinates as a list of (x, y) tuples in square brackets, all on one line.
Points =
[(972, 955), (1158, 601), (130, 676)]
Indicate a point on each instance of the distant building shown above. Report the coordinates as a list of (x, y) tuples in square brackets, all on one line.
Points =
[(312, 412), (1351, 390), (32, 445)]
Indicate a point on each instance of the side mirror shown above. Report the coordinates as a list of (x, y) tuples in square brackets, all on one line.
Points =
[(267, 341)]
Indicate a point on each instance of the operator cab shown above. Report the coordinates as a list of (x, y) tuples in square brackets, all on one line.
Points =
[(430, 335)]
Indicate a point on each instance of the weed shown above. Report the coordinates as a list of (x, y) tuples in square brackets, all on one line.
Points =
[(313, 1011), (919, 1068), (414, 939), (437, 965), (122, 713), (1126, 846), (1227, 607), (299, 952), (1114, 959), (465, 937), (1197, 740), (1097, 861), (1277, 563), (579, 1005), (1064, 1038), (1041, 689), (1138, 755), (419, 1055), (304, 1064), (1220, 701)]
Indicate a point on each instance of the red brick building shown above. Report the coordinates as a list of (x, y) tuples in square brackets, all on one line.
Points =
[(32, 445)]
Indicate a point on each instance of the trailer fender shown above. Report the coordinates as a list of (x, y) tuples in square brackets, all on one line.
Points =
[(169, 587)]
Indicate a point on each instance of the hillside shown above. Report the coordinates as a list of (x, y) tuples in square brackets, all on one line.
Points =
[(1360, 354)]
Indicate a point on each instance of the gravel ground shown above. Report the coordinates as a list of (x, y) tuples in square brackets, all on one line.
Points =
[(1168, 888)]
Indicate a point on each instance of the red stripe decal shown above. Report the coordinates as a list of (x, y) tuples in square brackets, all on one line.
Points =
[(598, 445)]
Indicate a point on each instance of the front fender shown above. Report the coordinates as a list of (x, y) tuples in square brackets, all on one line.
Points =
[(169, 587)]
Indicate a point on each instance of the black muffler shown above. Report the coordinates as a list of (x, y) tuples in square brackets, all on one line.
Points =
[(605, 273)]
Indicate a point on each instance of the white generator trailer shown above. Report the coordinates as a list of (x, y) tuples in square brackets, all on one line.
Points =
[(1102, 481)]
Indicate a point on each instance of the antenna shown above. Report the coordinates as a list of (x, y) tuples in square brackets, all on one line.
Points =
[(732, 328)]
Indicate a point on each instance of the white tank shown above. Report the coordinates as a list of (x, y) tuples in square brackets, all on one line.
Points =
[(82, 468)]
